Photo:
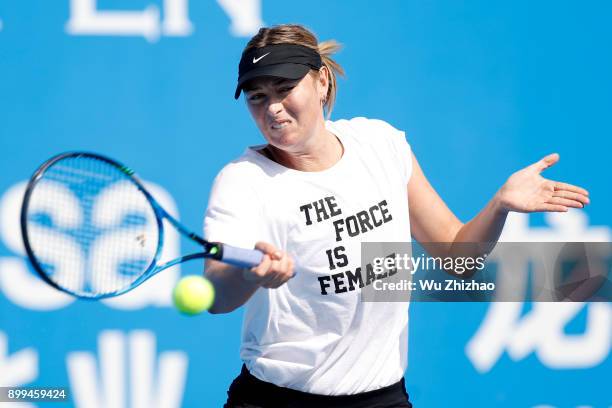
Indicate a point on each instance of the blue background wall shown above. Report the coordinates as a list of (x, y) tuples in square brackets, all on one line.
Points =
[(481, 88)]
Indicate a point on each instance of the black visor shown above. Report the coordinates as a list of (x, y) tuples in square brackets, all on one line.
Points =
[(288, 61)]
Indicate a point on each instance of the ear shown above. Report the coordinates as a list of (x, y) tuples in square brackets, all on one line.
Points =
[(323, 81)]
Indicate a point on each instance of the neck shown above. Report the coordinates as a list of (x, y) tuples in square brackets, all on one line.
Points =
[(324, 151)]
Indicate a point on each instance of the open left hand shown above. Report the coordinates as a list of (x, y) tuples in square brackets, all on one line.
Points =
[(527, 191)]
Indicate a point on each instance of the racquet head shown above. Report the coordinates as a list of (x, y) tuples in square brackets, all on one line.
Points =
[(89, 227)]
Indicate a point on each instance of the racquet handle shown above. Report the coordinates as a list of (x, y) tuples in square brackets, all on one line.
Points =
[(244, 258)]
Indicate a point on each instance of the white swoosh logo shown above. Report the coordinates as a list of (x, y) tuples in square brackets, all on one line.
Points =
[(256, 60)]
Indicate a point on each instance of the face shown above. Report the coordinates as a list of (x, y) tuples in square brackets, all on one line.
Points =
[(287, 112)]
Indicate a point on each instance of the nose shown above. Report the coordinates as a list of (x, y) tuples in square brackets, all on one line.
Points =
[(274, 107)]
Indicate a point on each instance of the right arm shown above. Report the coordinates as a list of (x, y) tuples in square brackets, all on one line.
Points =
[(235, 285)]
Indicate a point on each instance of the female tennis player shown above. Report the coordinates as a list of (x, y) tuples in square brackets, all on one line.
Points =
[(307, 199)]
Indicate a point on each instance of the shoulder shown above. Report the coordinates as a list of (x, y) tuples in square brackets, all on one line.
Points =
[(369, 130), (238, 181), (244, 170), (372, 133), (234, 206), (363, 123), (379, 138)]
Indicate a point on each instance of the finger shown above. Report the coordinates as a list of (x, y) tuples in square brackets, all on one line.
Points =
[(279, 271), (287, 268), (569, 187), (282, 271), (292, 271), (547, 161), (273, 283), (285, 276), (257, 273), (274, 278), (552, 208), (269, 249), (572, 196), (565, 202)]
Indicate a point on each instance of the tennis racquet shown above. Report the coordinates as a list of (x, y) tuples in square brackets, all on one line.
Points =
[(91, 229)]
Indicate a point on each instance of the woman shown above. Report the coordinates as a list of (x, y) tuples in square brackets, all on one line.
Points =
[(307, 199)]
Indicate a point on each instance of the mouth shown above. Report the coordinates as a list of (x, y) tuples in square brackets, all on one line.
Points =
[(280, 124)]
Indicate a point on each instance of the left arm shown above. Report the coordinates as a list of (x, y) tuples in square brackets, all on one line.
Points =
[(526, 190)]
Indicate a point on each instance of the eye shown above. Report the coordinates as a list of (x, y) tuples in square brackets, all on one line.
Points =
[(255, 97), (286, 88)]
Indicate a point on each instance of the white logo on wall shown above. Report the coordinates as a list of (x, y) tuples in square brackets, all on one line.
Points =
[(27, 290), (18, 369), (245, 16), (87, 19), (541, 330), (127, 360)]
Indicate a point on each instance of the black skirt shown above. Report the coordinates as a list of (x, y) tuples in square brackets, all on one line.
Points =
[(247, 391)]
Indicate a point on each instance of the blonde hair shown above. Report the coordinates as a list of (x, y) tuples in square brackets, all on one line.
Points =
[(300, 35)]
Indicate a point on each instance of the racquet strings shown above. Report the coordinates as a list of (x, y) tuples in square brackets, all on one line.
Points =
[(91, 229)]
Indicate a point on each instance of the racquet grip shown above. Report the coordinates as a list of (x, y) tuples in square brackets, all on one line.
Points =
[(244, 258)]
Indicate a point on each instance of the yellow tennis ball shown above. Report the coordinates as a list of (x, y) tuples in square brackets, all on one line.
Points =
[(193, 294)]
